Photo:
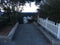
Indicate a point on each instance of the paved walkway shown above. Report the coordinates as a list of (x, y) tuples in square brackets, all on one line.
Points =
[(27, 34)]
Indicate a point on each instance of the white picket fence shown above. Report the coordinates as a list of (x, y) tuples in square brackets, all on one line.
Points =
[(50, 26)]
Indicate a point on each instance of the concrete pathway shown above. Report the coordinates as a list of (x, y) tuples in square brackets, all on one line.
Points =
[(27, 34)]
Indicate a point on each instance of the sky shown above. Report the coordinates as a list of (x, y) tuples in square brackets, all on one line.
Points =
[(28, 8)]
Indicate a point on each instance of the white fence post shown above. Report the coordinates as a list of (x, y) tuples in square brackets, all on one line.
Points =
[(46, 22), (58, 34)]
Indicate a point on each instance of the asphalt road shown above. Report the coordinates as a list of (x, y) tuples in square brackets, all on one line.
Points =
[(27, 34)]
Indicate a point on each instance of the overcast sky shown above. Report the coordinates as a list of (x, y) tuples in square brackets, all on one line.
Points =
[(27, 7)]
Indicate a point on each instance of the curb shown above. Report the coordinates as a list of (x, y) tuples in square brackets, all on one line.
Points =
[(9, 37)]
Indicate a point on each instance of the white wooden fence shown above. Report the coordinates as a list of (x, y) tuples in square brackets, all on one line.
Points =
[(50, 26)]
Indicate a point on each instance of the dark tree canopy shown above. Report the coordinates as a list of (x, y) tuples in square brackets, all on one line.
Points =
[(23, 1), (50, 9)]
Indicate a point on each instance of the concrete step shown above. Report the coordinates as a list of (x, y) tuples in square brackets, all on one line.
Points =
[(53, 40)]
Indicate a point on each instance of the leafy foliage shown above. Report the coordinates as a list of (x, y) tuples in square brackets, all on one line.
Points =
[(50, 10)]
